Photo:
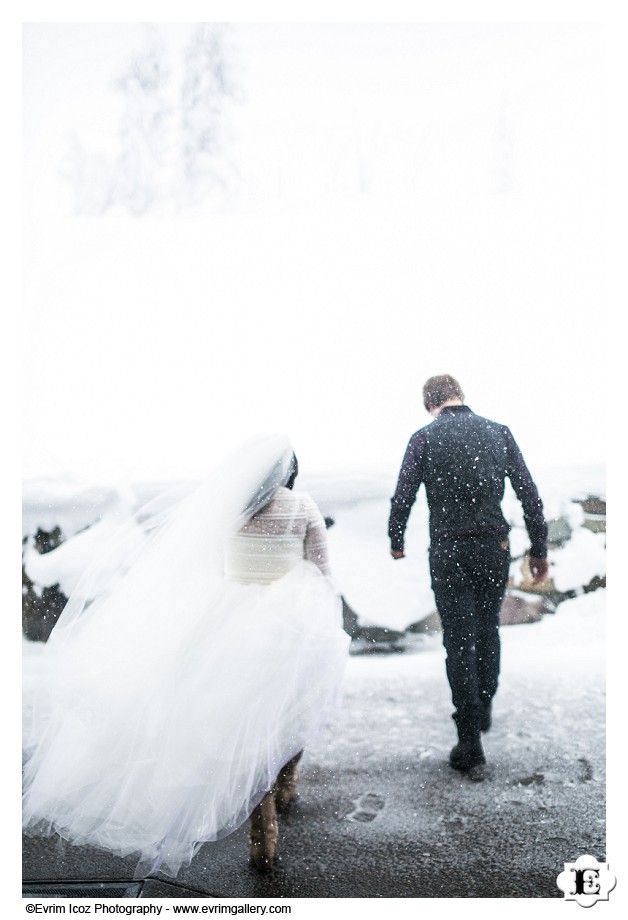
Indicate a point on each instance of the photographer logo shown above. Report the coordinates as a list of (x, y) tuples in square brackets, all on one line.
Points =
[(586, 881)]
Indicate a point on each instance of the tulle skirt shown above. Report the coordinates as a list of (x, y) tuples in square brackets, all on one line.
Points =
[(152, 738)]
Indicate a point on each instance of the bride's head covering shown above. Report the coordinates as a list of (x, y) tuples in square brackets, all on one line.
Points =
[(283, 473)]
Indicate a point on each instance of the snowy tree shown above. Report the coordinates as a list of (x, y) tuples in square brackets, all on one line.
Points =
[(171, 148), (207, 92), (141, 171)]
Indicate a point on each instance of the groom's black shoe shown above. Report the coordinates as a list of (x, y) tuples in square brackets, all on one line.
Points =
[(467, 754)]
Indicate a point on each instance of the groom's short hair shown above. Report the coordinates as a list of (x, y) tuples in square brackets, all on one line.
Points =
[(439, 390)]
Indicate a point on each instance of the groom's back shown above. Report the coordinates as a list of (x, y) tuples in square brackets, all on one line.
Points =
[(464, 469)]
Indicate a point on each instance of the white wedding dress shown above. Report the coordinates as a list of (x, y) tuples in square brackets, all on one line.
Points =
[(170, 700)]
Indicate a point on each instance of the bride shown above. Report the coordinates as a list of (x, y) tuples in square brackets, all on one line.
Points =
[(190, 667)]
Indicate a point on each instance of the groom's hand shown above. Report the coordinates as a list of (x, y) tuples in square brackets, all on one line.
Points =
[(397, 554), (539, 569)]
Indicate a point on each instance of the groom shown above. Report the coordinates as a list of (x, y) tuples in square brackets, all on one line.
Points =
[(463, 460)]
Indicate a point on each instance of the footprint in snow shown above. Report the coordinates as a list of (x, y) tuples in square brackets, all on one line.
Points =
[(368, 806)]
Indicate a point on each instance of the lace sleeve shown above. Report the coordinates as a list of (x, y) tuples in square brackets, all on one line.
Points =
[(315, 545)]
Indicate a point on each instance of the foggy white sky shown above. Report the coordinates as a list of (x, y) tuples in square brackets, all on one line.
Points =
[(412, 199)]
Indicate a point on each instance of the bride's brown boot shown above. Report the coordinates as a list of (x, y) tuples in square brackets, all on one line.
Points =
[(263, 834), (286, 783)]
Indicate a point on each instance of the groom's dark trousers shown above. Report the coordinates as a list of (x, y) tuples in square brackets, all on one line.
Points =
[(469, 577)]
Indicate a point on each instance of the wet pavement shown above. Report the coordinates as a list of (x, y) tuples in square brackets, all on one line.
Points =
[(407, 830)]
